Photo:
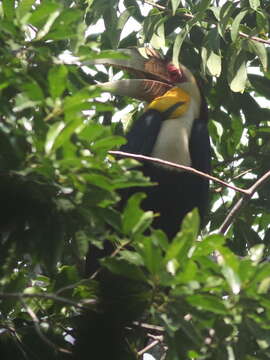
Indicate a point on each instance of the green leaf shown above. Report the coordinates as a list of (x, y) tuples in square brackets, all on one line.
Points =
[(236, 24), (9, 8), (264, 286), (256, 253), (178, 44), (216, 11), (184, 240), (134, 219), (254, 4), (99, 180), (52, 135), (57, 78), (114, 24), (175, 4), (82, 243), (92, 131), (45, 29), (208, 303), (125, 269), (24, 6), (261, 84), (79, 101), (208, 245), (42, 12), (33, 90), (22, 102), (225, 17), (262, 22), (260, 50), (65, 276), (202, 6), (64, 134), (16, 284), (158, 38), (238, 82), (230, 267), (151, 255), (214, 64), (108, 143)]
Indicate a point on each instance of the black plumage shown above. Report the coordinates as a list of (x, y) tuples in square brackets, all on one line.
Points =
[(177, 192)]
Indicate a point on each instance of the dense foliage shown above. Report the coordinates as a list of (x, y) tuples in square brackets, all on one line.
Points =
[(58, 185)]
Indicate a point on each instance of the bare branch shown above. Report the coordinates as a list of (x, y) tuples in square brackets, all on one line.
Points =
[(242, 202), (177, 166), (232, 215), (254, 38), (149, 326), (148, 347), (258, 183)]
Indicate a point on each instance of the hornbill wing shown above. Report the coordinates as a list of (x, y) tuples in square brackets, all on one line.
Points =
[(200, 151), (199, 140), (143, 134)]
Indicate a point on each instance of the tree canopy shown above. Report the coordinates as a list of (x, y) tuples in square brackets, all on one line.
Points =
[(205, 295)]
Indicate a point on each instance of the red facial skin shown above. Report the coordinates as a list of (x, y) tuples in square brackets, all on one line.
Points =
[(176, 75)]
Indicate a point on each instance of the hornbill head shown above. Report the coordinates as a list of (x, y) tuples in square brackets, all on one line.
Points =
[(157, 81)]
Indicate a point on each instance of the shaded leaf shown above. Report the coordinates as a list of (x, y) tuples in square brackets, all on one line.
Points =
[(57, 80)]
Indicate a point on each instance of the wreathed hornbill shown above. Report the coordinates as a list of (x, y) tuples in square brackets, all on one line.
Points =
[(173, 128)]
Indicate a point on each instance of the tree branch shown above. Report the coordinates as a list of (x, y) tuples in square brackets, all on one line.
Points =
[(148, 347), (248, 193), (177, 166), (241, 202)]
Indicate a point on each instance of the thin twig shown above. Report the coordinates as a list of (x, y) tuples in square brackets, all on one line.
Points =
[(54, 297), (177, 166), (149, 326), (17, 341), (241, 202), (148, 347), (68, 287), (254, 38), (44, 338), (160, 7)]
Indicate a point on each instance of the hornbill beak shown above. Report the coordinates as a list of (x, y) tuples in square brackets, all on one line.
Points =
[(154, 75)]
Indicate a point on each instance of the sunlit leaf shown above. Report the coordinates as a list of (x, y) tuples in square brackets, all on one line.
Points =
[(254, 4), (236, 24), (214, 64), (175, 4)]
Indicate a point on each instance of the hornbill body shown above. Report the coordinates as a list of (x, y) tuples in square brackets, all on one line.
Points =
[(173, 128)]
